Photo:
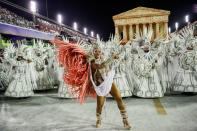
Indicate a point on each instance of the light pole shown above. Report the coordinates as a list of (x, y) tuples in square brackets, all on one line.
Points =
[(47, 13)]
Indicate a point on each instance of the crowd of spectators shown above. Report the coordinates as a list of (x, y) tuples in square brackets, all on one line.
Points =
[(47, 26), (55, 28), (9, 17)]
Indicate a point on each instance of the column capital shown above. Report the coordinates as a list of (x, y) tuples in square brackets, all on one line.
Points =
[(117, 25), (150, 23), (137, 24)]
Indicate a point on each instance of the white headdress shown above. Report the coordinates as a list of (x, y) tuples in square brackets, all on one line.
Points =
[(20, 50), (9, 52), (113, 45), (65, 39), (144, 38), (187, 35)]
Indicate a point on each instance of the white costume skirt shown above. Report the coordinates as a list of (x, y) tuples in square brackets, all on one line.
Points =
[(63, 91), (105, 87), (149, 87), (19, 87), (44, 80), (122, 84), (185, 82), (3, 81)]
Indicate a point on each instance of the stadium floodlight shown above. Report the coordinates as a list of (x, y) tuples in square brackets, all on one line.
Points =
[(169, 30), (75, 26), (33, 7), (85, 30), (187, 18), (97, 36), (59, 18), (176, 25), (92, 33)]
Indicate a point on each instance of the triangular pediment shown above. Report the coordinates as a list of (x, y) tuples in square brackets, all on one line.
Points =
[(141, 12)]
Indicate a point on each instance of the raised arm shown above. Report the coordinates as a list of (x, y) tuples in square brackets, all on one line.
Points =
[(100, 66)]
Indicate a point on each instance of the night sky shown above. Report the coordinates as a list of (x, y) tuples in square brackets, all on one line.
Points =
[(97, 15)]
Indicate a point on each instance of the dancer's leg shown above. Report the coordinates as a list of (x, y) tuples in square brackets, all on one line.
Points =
[(100, 103), (117, 96)]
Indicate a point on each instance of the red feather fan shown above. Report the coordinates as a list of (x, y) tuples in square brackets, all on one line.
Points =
[(76, 68)]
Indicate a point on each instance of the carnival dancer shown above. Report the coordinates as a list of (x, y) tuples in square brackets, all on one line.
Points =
[(90, 75)]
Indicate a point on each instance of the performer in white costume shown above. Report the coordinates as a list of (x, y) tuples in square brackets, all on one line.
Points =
[(20, 86), (45, 81), (3, 77), (120, 65), (159, 46), (51, 66), (31, 66), (172, 51), (63, 91), (147, 83), (185, 78), (130, 53), (9, 54), (40, 66)]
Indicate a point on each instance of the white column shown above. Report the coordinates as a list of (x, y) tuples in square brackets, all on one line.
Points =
[(131, 32), (137, 29), (144, 27), (157, 30), (165, 29), (150, 26), (124, 32), (117, 34)]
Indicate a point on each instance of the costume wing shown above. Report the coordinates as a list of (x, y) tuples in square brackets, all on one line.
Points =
[(76, 69)]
